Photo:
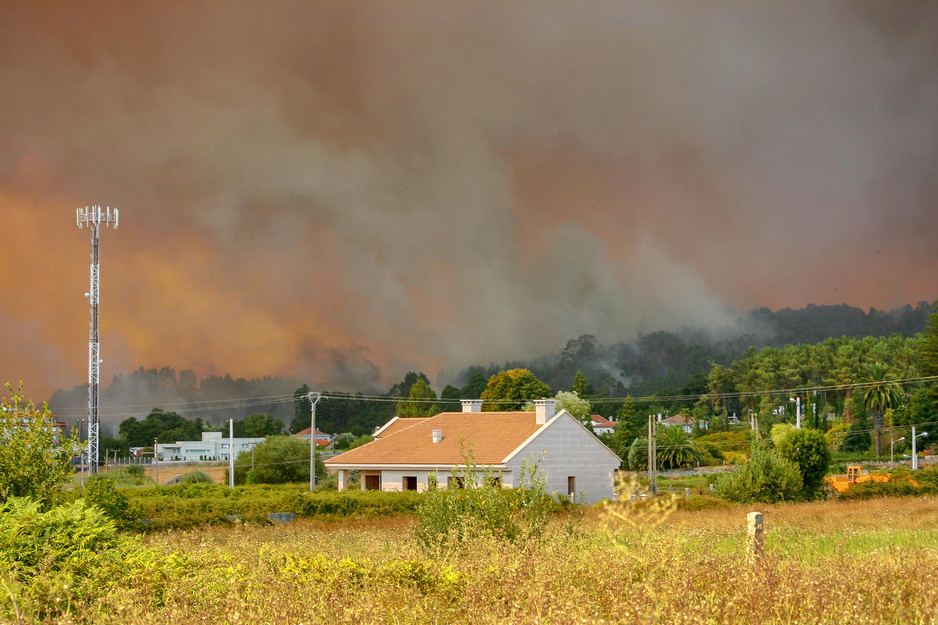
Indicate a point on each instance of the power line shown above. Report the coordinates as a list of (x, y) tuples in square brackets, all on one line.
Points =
[(126, 410)]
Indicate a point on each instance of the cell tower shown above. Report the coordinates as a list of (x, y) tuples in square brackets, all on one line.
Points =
[(93, 217)]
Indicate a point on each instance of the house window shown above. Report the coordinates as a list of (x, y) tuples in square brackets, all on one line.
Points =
[(410, 482), (495, 481), (372, 482), (571, 487), (456, 482)]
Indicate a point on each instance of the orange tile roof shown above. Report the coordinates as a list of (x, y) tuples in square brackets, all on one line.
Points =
[(396, 424), (493, 436)]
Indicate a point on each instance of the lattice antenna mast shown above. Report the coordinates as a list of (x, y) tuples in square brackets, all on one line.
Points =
[(93, 217)]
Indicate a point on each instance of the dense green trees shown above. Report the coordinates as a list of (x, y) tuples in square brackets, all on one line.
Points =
[(418, 402), (302, 409), (859, 380), (165, 425), (927, 360), (258, 426), (510, 389), (631, 425)]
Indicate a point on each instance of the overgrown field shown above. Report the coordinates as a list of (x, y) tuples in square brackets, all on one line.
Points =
[(855, 562)]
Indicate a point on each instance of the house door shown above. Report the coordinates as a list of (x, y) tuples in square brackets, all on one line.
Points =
[(571, 488), (372, 482)]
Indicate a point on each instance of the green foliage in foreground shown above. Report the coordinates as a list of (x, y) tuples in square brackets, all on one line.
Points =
[(50, 553), (766, 478), (880, 570), (101, 492), (31, 463), (483, 507)]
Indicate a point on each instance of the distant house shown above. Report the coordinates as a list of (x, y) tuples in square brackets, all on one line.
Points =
[(406, 452), (322, 439), (687, 423), (602, 425), (213, 446)]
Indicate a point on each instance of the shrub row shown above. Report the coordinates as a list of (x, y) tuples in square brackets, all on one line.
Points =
[(187, 505)]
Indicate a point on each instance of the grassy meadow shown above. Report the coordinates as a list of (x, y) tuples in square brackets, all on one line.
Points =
[(873, 561)]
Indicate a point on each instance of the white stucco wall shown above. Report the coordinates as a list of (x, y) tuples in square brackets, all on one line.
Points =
[(393, 480), (566, 448)]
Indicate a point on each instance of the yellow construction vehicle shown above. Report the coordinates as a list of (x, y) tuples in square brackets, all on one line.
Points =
[(856, 475)]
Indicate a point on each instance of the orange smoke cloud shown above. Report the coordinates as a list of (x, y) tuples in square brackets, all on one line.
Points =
[(340, 195)]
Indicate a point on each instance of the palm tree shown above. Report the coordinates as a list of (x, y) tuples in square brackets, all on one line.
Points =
[(675, 449), (882, 392)]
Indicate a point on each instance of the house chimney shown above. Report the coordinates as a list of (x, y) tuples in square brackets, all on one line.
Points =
[(437, 436), (472, 405), (544, 410)]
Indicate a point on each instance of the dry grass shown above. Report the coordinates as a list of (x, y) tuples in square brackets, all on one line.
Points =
[(831, 562)]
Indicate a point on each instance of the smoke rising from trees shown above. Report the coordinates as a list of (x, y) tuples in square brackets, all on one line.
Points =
[(338, 193)]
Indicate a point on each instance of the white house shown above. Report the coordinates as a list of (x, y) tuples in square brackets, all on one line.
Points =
[(685, 422), (322, 439), (602, 425), (406, 452), (213, 446)]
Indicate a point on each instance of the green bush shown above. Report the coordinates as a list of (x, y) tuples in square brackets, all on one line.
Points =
[(766, 478), (278, 460), (807, 450), (197, 477), (101, 492), (350, 503), (638, 455), (734, 440), (32, 464), (189, 505), (484, 507)]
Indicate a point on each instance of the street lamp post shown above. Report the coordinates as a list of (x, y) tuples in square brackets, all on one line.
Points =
[(797, 402), (892, 446), (914, 452)]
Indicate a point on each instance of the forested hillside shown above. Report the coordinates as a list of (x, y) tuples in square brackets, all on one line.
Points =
[(656, 363)]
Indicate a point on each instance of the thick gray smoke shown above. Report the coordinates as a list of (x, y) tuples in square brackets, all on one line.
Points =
[(340, 193)]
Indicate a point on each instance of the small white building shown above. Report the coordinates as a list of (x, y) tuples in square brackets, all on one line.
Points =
[(602, 425), (213, 446), (322, 439), (684, 422), (407, 452)]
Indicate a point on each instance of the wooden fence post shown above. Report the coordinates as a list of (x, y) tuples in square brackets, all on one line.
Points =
[(755, 543)]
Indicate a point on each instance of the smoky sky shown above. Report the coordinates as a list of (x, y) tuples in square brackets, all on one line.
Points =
[(340, 192)]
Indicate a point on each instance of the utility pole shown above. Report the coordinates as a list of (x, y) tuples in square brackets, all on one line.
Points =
[(230, 453), (653, 454), (156, 461), (314, 398), (93, 217), (81, 458)]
